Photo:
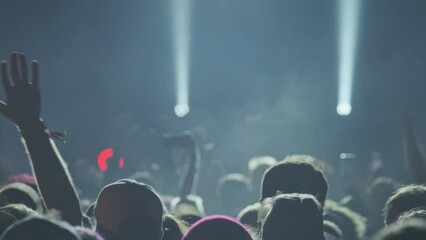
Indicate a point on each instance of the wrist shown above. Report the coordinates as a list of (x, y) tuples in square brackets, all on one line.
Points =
[(34, 126), (38, 127)]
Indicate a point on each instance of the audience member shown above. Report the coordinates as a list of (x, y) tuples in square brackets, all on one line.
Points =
[(294, 175), (40, 228), (292, 204), (21, 193), (291, 216), (173, 227), (410, 230), (404, 199), (12, 213), (332, 231), (352, 224), (127, 209), (248, 216), (233, 192)]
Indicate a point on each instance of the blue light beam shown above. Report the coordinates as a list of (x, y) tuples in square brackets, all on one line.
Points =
[(181, 27), (349, 11)]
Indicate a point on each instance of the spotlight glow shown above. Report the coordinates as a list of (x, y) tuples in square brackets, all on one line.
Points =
[(344, 109), (181, 22), (348, 40), (181, 110)]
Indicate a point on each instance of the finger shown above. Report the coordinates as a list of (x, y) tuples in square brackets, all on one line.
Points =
[(15, 70), (5, 75), (23, 68), (3, 107), (35, 74)]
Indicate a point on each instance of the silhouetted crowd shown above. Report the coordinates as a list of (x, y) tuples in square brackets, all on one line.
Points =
[(270, 200)]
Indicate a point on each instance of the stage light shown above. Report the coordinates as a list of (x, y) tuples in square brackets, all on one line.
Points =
[(349, 11), (103, 158), (344, 109), (181, 110), (181, 24)]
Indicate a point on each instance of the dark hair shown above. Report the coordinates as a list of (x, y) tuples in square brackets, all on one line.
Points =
[(21, 193), (414, 229), (12, 213), (249, 215), (126, 209), (330, 228), (232, 190), (415, 213), (352, 224), (381, 189), (379, 192), (404, 199), (173, 227), (40, 228), (294, 176), (291, 216)]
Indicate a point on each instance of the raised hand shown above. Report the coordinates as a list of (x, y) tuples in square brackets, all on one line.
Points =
[(22, 93), (23, 108)]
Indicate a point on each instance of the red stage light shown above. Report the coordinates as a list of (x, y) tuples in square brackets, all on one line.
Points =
[(103, 157)]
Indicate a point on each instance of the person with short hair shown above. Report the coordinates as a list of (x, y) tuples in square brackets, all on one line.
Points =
[(415, 229), (127, 209), (291, 216), (12, 213), (404, 199), (294, 175), (40, 228)]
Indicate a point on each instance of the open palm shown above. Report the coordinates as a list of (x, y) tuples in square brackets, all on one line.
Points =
[(22, 94)]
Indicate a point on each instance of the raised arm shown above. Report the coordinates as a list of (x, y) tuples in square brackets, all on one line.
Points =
[(23, 108), (190, 180), (413, 156)]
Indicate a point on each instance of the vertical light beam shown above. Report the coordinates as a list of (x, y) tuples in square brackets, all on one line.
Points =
[(349, 11), (181, 27)]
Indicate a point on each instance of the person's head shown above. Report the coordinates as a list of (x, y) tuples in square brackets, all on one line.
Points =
[(291, 216), (40, 228), (15, 193), (173, 227), (414, 229), (25, 179), (233, 190), (294, 176), (404, 199), (12, 213), (217, 227), (352, 224), (332, 231), (379, 192), (415, 213), (190, 208), (127, 209), (256, 168), (248, 216)]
